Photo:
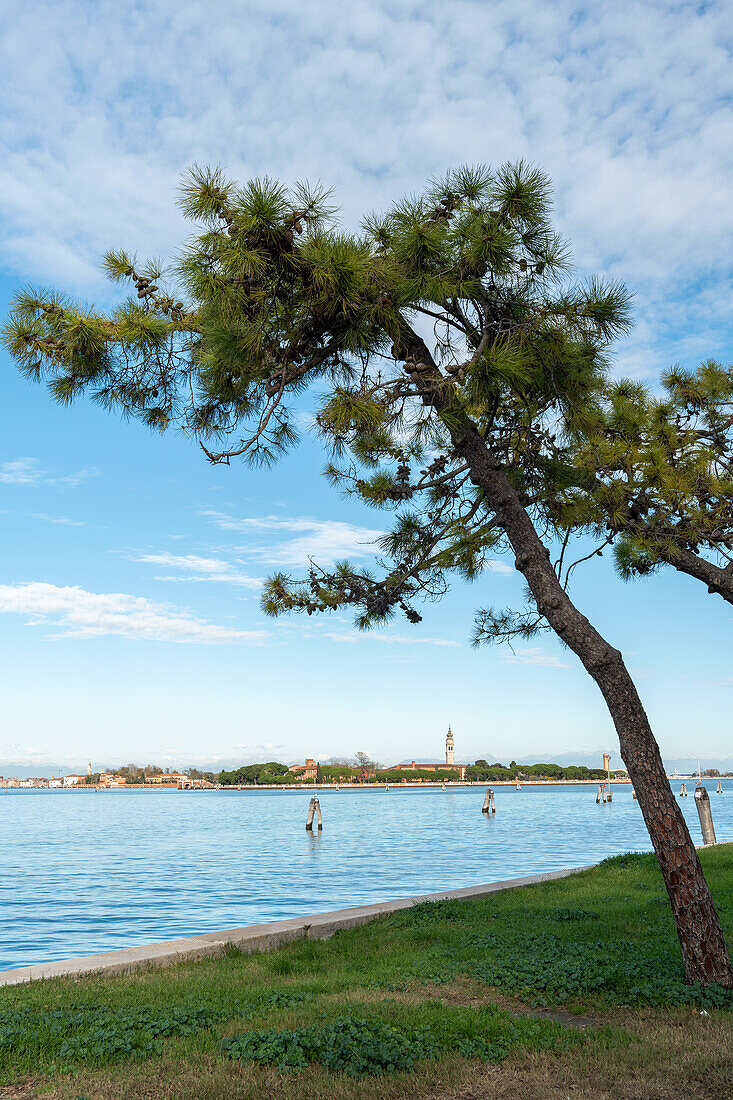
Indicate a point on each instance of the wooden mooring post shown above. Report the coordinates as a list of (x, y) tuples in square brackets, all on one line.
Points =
[(488, 806), (683, 791), (705, 813), (314, 810), (719, 788)]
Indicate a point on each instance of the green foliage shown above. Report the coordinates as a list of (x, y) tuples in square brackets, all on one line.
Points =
[(271, 772), (481, 770), (424, 775), (98, 1035), (655, 475), (353, 1046), (603, 937), (94, 1034), (361, 1045), (331, 772), (540, 967)]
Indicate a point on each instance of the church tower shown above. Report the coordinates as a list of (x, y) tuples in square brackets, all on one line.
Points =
[(449, 751)]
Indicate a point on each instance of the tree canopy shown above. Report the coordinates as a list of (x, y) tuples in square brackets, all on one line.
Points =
[(274, 299), (655, 476), (270, 772)]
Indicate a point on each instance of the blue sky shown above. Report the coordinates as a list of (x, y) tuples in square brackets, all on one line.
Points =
[(129, 615)]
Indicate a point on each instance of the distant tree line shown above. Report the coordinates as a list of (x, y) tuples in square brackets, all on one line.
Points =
[(482, 770), (270, 772), (364, 770), (427, 775), (273, 772)]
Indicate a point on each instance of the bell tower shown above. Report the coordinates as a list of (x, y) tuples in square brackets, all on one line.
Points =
[(449, 750)]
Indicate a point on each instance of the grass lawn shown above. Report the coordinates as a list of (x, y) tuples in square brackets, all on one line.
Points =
[(571, 988)]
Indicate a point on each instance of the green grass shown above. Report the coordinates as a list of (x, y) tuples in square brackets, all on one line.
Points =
[(489, 980)]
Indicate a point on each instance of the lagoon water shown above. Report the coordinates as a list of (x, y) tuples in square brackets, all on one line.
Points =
[(86, 871)]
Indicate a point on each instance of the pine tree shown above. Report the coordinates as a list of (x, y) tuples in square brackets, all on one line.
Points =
[(655, 476), (452, 360)]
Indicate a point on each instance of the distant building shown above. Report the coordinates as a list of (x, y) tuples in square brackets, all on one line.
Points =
[(167, 779), (431, 765), (309, 771), (73, 780), (109, 779), (56, 781)]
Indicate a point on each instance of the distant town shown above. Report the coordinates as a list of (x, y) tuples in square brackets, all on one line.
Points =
[(356, 771)]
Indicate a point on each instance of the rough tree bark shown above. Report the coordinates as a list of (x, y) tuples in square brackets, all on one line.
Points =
[(704, 950)]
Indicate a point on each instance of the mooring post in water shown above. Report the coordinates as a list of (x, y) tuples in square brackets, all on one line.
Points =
[(601, 796), (719, 788), (488, 806), (683, 791), (633, 794), (609, 795), (702, 801), (314, 810)]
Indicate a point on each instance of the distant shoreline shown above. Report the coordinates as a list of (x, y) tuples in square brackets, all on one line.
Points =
[(414, 785), (378, 786)]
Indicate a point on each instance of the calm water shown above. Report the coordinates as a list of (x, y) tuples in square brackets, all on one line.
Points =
[(84, 872)]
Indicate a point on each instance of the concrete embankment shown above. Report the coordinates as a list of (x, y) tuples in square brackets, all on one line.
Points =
[(255, 937)]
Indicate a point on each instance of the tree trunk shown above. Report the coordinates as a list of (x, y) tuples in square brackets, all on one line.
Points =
[(704, 950)]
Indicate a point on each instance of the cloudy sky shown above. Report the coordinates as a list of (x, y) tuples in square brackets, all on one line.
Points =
[(130, 570)]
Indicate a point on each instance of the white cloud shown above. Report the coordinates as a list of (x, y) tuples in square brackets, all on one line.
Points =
[(197, 568), (496, 566), (21, 471), (325, 541), (534, 656), (63, 521), (28, 754), (627, 106), (82, 614), (28, 472)]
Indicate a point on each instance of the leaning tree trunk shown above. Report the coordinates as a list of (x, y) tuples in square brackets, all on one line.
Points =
[(704, 950)]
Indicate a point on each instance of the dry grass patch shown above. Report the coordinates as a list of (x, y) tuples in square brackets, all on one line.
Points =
[(652, 1058), (650, 1055)]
